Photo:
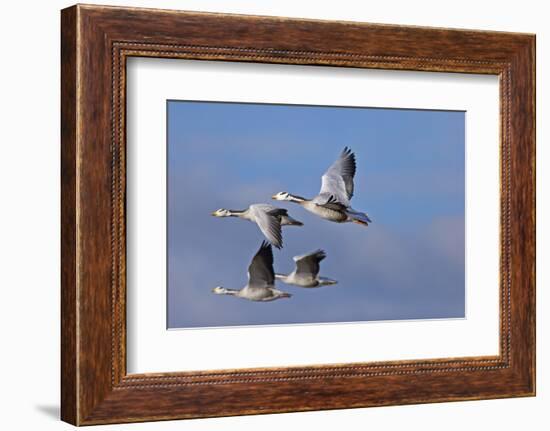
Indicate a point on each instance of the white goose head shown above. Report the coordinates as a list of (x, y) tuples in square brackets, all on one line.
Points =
[(222, 212), (219, 290), (282, 196)]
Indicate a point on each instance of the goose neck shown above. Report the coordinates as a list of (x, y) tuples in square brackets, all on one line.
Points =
[(296, 199), (231, 292), (237, 213), (281, 276)]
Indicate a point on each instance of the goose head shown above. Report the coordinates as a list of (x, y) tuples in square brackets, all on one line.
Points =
[(222, 212), (282, 196), (219, 290)]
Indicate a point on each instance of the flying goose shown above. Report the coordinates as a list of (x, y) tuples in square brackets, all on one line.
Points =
[(306, 273), (268, 218), (261, 279), (333, 201)]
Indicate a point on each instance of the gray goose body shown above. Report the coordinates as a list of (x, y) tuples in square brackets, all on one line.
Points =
[(337, 187), (306, 273), (269, 219), (261, 279), (323, 211)]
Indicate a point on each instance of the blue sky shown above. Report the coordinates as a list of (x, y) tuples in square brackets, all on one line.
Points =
[(408, 264)]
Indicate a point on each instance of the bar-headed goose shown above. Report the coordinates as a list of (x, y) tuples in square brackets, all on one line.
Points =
[(333, 201), (306, 273), (261, 279), (268, 218)]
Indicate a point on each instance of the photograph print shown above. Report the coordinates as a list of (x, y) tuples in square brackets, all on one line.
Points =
[(297, 214)]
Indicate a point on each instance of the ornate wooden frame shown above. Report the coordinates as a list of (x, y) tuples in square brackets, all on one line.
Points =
[(95, 42)]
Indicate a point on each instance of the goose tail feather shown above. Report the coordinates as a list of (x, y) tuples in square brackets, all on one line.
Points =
[(358, 217), (289, 221)]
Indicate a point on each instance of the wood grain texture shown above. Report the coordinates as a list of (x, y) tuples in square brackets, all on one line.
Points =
[(96, 41), (69, 331)]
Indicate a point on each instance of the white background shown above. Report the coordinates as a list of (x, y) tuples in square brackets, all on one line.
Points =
[(153, 349), (29, 216)]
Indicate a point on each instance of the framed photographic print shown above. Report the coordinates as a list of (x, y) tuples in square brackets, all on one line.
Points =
[(322, 214)]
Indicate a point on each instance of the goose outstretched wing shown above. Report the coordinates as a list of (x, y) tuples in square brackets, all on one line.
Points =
[(269, 223), (260, 271), (337, 181), (308, 264)]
